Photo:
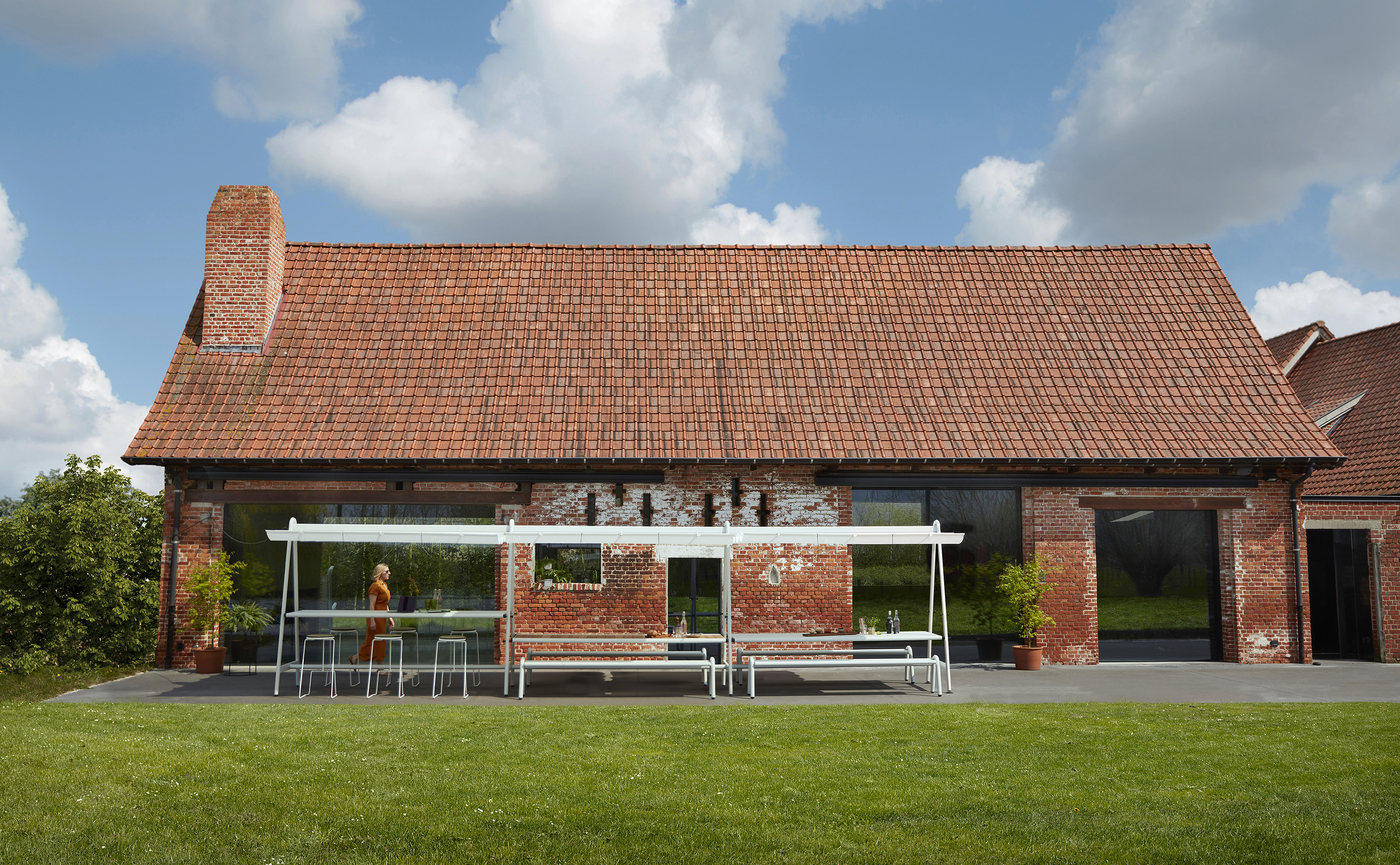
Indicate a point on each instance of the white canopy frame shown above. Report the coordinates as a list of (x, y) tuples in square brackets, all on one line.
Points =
[(723, 537)]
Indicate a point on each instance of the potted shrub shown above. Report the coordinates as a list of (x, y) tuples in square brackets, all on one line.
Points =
[(1023, 586), (246, 620), (982, 592), (209, 587)]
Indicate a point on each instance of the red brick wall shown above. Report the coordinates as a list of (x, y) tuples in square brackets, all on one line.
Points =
[(201, 539), (1387, 640), (244, 247), (1256, 577)]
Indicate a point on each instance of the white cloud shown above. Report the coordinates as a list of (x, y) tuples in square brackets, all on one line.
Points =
[(54, 397), (595, 121), (997, 193), (1192, 117), (1365, 225), (727, 223), (272, 58), (1321, 297)]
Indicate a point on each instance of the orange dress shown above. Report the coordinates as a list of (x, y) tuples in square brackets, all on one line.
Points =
[(378, 600)]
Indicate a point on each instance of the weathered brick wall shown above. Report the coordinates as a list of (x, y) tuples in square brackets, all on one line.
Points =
[(244, 250), (816, 582), (201, 539), (1387, 638), (1256, 577)]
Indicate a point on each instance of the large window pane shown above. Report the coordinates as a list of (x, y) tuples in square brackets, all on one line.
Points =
[(337, 575), (1157, 583), (897, 577)]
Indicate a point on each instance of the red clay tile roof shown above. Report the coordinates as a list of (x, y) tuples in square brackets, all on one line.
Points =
[(504, 353), (1286, 345), (1335, 371)]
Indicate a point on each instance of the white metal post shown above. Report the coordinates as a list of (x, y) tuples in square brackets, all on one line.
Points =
[(296, 597), (510, 609), (932, 584), (282, 619), (947, 638), (728, 623)]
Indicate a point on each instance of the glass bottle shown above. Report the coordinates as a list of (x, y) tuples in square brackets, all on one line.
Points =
[(889, 622), (896, 621)]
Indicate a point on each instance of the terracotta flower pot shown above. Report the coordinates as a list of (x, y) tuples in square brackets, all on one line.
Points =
[(209, 660), (1027, 657)]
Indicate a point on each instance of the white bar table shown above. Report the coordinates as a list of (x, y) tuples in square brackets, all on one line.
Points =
[(901, 637)]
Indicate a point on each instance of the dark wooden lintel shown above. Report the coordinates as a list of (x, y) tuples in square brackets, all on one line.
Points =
[(1146, 503), (360, 497)]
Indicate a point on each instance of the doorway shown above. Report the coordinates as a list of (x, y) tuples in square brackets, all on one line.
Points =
[(1158, 586), (1339, 581), (692, 592)]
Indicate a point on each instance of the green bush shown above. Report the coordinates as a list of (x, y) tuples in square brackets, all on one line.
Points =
[(79, 571)]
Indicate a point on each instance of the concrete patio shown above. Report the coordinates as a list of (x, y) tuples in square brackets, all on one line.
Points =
[(1333, 681)]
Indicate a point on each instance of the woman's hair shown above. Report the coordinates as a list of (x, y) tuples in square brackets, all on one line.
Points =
[(378, 569)]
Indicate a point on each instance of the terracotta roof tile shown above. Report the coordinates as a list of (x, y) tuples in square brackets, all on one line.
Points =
[(1338, 370), (499, 353)]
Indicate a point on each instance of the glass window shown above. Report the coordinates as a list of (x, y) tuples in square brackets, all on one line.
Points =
[(897, 577), (336, 575), (1158, 594), (577, 563)]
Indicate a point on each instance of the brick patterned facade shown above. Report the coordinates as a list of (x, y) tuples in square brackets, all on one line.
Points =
[(815, 589), (201, 539), (1255, 558), (244, 247), (1387, 540)]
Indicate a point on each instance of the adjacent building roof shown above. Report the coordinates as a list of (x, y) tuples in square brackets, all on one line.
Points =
[(486, 353), (1350, 385)]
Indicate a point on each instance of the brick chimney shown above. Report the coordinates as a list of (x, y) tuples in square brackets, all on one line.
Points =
[(244, 243)]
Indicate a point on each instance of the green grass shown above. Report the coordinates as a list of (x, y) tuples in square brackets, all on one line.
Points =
[(1151, 614), (1068, 783), (51, 681)]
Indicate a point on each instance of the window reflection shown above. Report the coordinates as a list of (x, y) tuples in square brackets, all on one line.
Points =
[(1157, 590), (897, 577)]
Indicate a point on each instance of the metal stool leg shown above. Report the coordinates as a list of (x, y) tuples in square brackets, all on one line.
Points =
[(353, 634), (453, 643), (326, 664), (372, 675)]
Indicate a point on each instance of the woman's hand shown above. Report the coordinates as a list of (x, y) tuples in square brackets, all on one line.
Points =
[(391, 623)]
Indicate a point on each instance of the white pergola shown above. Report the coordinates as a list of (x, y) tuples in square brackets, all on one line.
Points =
[(721, 539)]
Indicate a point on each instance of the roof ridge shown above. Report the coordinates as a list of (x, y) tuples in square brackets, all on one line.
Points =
[(753, 246)]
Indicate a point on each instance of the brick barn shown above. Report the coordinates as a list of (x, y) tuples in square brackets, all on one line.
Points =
[(1351, 514), (1111, 409)]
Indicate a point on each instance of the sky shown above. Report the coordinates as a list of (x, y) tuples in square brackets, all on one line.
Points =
[(1267, 128)]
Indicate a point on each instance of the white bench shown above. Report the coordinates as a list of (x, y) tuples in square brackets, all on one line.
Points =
[(934, 665), (699, 654), (898, 651), (707, 666)]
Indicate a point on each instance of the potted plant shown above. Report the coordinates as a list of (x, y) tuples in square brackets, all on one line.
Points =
[(1023, 586), (209, 587), (986, 602), (246, 620)]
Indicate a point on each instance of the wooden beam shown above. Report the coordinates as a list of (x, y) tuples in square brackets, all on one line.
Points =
[(359, 497), (1145, 503)]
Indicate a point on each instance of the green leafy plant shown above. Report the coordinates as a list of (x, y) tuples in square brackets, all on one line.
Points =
[(79, 570), (210, 586), (246, 618), (981, 590), (1024, 586)]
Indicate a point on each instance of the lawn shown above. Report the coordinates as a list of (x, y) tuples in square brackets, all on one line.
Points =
[(51, 681), (953, 783)]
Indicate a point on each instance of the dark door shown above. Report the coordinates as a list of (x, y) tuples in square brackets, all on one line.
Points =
[(1339, 593), (692, 591), (1158, 586)]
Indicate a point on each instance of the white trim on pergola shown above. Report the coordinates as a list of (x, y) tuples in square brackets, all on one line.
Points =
[(723, 538)]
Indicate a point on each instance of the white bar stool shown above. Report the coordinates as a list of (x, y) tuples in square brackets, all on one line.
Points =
[(405, 631), (453, 643), (372, 675), (353, 635), (326, 644), (475, 634)]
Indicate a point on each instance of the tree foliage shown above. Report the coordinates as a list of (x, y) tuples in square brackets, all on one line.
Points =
[(1024, 586), (80, 570)]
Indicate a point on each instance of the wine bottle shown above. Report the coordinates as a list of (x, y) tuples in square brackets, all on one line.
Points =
[(896, 621), (889, 622)]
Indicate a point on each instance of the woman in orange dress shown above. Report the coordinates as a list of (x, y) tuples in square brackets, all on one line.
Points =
[(378, 600)]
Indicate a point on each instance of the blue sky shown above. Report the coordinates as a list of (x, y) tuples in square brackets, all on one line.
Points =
[(1270, 130)]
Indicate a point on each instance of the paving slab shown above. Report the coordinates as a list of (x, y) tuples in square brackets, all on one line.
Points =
[(1344, 681)]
